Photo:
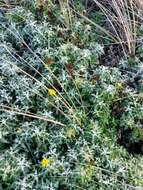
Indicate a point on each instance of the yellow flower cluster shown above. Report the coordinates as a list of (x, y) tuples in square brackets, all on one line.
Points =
[(45, 162), (119, 86), (52, 92)]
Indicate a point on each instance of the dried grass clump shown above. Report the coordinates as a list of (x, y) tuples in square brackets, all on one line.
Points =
[(122, 17)]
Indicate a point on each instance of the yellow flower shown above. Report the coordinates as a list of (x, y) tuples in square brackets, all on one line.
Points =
[(119, 86), (52, 92), (45, 162)]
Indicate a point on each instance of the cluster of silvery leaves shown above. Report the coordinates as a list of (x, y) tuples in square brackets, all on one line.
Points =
[(84, 152)]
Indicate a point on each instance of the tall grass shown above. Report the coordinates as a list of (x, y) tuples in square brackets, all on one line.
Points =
[(66, 12), (121, 15), (123, 18)]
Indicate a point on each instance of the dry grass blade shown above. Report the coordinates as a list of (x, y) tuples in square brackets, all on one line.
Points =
[(28, 114)]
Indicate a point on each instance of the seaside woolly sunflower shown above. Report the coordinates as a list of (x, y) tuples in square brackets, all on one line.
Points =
[(45, 162), (52, 92), (119, 86)]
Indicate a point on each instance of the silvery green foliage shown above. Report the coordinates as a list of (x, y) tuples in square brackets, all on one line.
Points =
[(37, 55)]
